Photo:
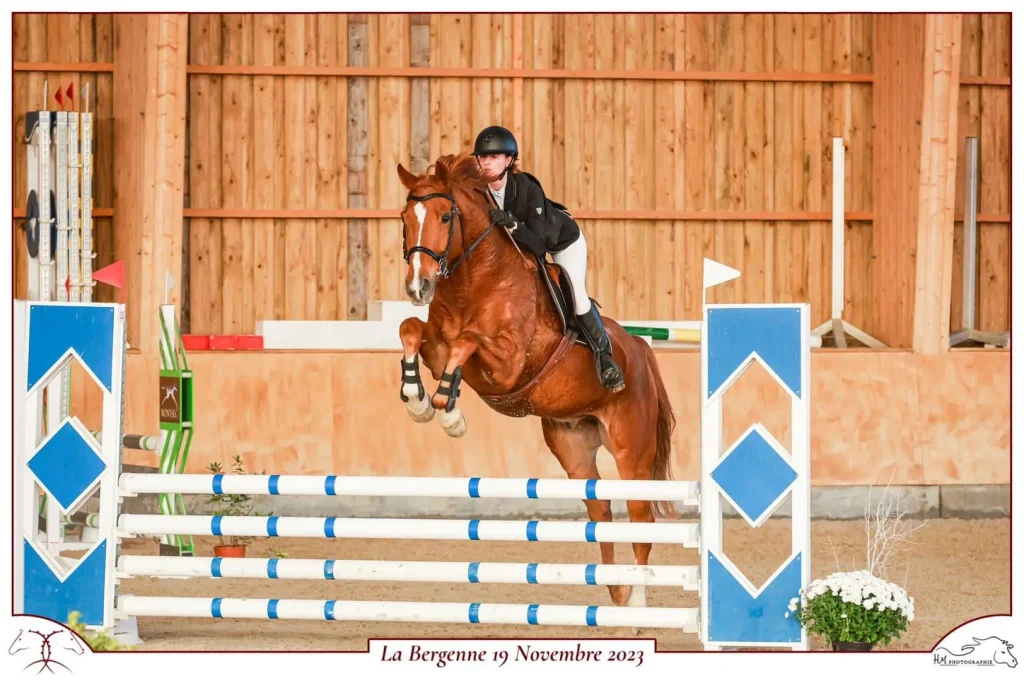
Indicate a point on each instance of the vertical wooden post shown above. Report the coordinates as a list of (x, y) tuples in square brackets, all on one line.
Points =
[(358, 149), (150, 59), (917, 67), (898, 98), (932, 295), (419, 55)]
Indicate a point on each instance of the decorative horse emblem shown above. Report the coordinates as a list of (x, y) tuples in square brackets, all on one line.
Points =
[(46, 649), (495, 322), (982, 652), (170, 393)]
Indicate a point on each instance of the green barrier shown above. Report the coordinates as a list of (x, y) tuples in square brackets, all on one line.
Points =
[(175, 405), (666, 334)]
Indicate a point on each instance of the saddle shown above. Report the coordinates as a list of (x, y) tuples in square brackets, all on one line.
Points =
[(557, 282)]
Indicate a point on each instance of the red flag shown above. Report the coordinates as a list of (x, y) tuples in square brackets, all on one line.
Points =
[(60, 99), (112, 275)]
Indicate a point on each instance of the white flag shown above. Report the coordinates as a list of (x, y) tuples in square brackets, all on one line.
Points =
[(716, 273)]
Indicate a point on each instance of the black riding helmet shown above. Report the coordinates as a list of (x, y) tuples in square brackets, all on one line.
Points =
[(496, 140)]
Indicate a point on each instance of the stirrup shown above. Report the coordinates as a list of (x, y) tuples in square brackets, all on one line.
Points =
[(614, 383)]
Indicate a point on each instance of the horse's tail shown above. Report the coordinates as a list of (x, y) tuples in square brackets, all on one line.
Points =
[(661, 468)]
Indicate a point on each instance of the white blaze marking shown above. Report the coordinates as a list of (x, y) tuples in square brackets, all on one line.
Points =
[(421, 216)]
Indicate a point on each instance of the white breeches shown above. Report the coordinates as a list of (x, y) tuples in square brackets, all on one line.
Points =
[(574, 259)]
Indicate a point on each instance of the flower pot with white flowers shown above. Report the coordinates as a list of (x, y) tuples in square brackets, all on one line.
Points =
[(854, 610), (859, 609)]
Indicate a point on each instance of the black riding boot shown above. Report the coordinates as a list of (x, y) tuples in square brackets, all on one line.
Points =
[(597, 339)]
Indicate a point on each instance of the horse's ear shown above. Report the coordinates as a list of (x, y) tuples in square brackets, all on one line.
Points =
[(442, 173), (407, 178)]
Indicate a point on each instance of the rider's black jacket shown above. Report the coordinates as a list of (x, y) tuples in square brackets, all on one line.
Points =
[(541, 224)]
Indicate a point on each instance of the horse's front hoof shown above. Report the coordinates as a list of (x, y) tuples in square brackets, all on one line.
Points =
[(420, 409), (454, 423), (426, 416)]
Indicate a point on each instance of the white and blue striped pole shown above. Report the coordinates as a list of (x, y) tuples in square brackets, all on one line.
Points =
[(683, 618), (684, 533), (437, 487), (680, 576)]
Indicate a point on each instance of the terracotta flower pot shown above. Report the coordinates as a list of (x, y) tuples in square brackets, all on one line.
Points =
[(851, 647), (229, 550)]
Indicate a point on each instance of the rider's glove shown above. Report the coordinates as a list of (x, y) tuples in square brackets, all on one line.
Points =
[(500, 217)]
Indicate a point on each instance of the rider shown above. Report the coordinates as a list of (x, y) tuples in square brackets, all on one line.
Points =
[(544, 226)]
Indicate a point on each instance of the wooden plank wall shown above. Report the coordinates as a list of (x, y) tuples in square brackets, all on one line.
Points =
[(615, 144), (66, 38), (320, 143), (984, 112)]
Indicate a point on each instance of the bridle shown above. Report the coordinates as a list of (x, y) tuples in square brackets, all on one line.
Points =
[(449, 217)]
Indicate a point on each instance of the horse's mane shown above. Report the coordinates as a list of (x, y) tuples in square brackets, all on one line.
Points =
[(462, 169)]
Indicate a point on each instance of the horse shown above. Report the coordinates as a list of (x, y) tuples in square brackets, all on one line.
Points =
[(502, 322)]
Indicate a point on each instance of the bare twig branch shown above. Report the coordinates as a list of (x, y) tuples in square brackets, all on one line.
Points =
[(887, 532), (834, 554)]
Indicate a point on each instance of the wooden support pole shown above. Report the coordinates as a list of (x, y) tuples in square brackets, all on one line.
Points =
[(150, 60), (917, 67), (358, 151), (933, 289), (898, 100)]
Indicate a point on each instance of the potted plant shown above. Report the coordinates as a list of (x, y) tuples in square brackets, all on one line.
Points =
[(228, 504), (855, 610)]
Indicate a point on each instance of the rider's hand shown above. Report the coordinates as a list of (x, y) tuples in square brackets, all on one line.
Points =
[(500, 217)]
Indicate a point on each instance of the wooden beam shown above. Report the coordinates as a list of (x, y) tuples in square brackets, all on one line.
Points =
[(584, 214), (64, 67), (942, 49), (358, 172), (518, 72), (897, 100), (150, 57), (624, 215)]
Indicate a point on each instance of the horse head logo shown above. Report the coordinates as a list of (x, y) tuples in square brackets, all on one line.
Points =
[(983, 651), (66, 641)]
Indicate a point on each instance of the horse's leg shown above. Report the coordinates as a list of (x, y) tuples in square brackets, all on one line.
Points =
[(575, 447), (452, 419), (632, 443), (417, 335)]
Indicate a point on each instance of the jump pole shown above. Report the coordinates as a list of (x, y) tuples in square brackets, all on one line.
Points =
[(689, 336)]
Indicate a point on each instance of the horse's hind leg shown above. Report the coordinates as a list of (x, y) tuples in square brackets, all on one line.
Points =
[(576, 446), (633, 446)]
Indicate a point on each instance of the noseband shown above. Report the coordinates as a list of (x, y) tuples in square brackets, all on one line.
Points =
[(449, 218)]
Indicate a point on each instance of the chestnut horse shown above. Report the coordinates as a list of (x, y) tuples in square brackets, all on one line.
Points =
[(494, 323)]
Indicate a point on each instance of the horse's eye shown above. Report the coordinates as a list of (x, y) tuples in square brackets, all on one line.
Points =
[(446, 217)]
